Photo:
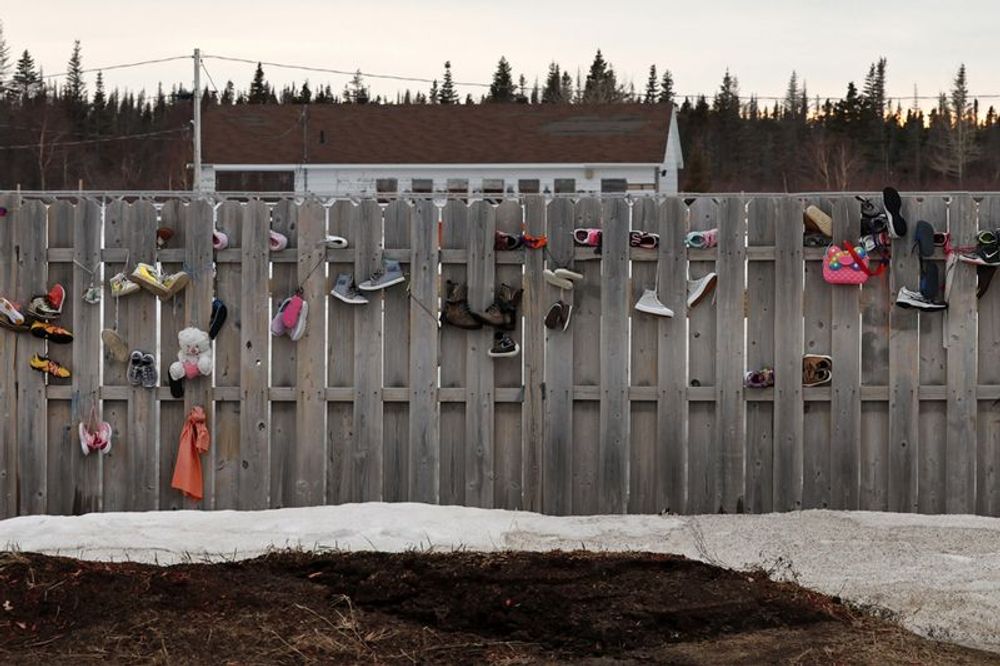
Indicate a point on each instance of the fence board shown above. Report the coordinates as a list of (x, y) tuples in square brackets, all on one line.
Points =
[(614, 406), (534, 361), (424, 446), (788, 414), (396, 415), (671, 359), (8, 373), (284, 359), (701, 487), (507, 374), (587, 351), (307, 486), (340, 355), (988, 461), (30, 232), (760, 353), (367, 470), (254, 317), (960, 329), (115, 482), (557, 452), (730, 426), (904, 373), (143, 415), (453, 346), (479, 413), (643, 442), (228, 360), (845, 397)]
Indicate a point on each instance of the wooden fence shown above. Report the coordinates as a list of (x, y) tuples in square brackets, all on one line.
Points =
[(624, 412)]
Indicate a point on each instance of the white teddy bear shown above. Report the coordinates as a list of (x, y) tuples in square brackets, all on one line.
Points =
[(194, 356)]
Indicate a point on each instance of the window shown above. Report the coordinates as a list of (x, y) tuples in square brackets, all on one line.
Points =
[(255, 181), (528, 186), (422, 185), (388, 185), (565, 185), (458, 185), (493, 185), (614, 185)]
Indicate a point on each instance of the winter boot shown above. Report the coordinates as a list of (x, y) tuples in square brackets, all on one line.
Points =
[(456, 308)]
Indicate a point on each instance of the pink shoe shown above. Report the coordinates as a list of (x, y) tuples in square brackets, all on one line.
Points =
[(86, 439), (278, 241), (290, 317), (278, 322), (587, 237), (220, 241), (702, 239), (95, 441)]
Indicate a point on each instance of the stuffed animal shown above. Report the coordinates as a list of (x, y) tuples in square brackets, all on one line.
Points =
[(194, 356)]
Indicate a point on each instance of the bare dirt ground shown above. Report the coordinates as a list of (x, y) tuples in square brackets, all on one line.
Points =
[(419, 608)]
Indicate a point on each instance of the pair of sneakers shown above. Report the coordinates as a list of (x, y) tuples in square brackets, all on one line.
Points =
[(346, 290), (698, 290), (291, 318), (561, 278), (152, 279), (142, 369), (888, 218), (95, 437)]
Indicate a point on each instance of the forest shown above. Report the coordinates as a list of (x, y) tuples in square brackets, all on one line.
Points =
[(66, 131)]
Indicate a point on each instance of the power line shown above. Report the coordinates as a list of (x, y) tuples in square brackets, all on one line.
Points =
[(210, 80), (124, 137), (121, 66), (327, 70)]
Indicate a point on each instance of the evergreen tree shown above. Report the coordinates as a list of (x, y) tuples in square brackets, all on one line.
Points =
[(955, 144), (652, 86), (602, 84), (666, 88), (356, 92), (727, 100), (259, 91), (566, 88), (432, 97), (228, 94), (502, 87), (99, 117), (75, 90), (468, 100), (522, 90), (26, 81), (535, 92), (407, 98), (552, 92), (447, 94), (793, 97)]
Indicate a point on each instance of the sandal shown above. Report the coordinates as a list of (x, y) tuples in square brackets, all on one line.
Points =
[(644, 239)]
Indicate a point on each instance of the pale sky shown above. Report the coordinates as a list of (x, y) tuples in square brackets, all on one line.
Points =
[(828, 43)]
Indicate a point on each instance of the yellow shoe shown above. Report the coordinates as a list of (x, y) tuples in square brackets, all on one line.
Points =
[(148, 277), (45, 364), (122, 286), (175, 282)]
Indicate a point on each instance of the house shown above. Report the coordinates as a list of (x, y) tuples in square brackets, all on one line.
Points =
[(488, 148)]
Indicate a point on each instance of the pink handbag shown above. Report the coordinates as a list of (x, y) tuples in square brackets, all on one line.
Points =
[(847, 265)]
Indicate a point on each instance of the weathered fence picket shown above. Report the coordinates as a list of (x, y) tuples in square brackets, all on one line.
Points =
[(622, 411)]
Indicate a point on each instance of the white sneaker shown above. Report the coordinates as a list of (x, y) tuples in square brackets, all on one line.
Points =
[(567, 274), (916, 301), (651, 304), (699, 289), (555, 280)]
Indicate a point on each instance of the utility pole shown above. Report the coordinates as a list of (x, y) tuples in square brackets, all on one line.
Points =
[(197, 121)]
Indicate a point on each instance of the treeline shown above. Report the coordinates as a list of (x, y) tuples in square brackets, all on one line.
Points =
[(58, 133)]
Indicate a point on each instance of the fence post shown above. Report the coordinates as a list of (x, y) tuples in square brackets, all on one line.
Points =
[(424, 446)]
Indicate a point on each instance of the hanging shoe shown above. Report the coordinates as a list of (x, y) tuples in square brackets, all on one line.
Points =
[(504, 242), (336, 242), (987, 252), (389, 274), (10, 316), (277, 242), (817, 369), (762, 378), (219, 314), (510, 299), (556, 281), (278, 327), (456, 311), (650, 304), (175, 283), (220, 241), (48, 306), (148, 376), (175, 378), (134, 372), (148, 277), (115, 345), (51, 332), (567, 274), (98, 439), (87, 439), (916, 301), (701, 240), (644, 240), (504, 346), (588, 237), (893, 204), (818, 221), (163, 236), (558, 316), (299, 329), (122, 286), (45, 364), (345, 290), (699, 289)]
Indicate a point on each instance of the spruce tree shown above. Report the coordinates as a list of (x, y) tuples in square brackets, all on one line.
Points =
[(75, 89), (552, 93), (228, 93), (356, 92), (566, 88), (666, 88), (259, 92), (99, 107), (432, 97), (305, 95), (447, 94), (26, 80), (535, 92), (502, 87), (522, 90), (652, 86), (593, 90)]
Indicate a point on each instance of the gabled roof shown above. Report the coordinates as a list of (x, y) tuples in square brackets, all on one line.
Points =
[(435, 134)]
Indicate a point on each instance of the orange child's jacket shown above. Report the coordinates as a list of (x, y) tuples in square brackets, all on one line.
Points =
[(194, 441)]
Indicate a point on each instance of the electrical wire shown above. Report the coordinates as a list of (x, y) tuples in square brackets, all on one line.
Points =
[(210, 80), (124, 137), (121, 66)]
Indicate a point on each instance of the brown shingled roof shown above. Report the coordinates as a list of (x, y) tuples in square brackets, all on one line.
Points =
[(435, 134)]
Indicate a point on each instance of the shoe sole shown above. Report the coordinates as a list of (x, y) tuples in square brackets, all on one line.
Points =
[(659, 313), (8, 310), (379, 287), (978, 261), (707, 288), (177, 287), (151, 287), (557, 281), (347, 300), (893, 205), (566, 274), (300, 326), (911, 306), (513, 352), (569, 316)]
